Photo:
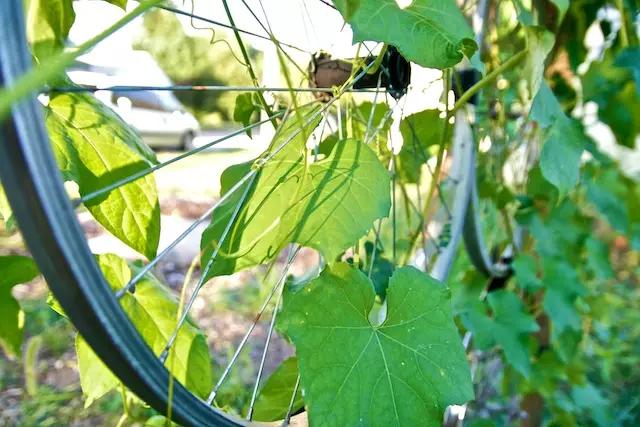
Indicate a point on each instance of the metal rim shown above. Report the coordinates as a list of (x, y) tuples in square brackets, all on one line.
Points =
[(33, 185)]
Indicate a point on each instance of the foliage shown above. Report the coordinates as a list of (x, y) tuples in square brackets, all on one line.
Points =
[(436, 24), (15, 269), (292, 199), (412, 365), (386, 349)]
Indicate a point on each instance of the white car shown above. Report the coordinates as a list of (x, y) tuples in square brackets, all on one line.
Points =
[(158, 116)]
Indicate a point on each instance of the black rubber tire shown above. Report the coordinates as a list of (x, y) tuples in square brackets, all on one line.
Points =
[(43, 211)]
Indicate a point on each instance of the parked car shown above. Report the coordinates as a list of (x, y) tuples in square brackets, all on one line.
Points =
[(158, 116)]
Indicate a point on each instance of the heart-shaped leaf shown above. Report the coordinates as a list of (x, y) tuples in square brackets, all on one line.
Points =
[(431, 33), (405, 371), (327, 205)]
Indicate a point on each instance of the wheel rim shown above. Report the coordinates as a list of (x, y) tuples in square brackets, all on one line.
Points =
[(40, 203)]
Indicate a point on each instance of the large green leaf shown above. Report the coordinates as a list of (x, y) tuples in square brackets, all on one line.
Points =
[(48, 25), (419, 132), (95, 148), (510, 327), (561, 153), (403, 372), (14, 269), (326, 205), (274, 397), (540, 44), (152, 309), (564, 140), (431, 33)]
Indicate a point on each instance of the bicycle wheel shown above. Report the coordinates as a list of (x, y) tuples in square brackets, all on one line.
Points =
[(42, 207)]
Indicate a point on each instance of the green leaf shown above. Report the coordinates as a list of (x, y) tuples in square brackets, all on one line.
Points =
[(350, 7), (5, 209), (598, 256), (404, 372), (589, 399), (613, 89), (381, 271), (561, 153), (526, 269), (630, 58), (545, 107), (274, 397), (524, 15), (122, 4), (419, 132), (540, 44), (96, 379), (359, 125), (153, 311), (95, 148), (245, 110), (609, 196), (431, 33), (563, 6), (562, 287), (292, 203), (48, 25), (14, 269), (510, 327)]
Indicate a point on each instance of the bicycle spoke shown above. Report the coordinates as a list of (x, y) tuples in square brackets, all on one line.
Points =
[(143, 173), (287, 417), (185, 312), (233, 189), (245, 338), (272, 325), (197, 88), (373, 108)]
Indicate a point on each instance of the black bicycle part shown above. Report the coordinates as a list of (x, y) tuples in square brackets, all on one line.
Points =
[(42, 209), (394, 73)]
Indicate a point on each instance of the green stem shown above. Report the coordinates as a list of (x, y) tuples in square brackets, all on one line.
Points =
[(379, 59), (510, 63), (122, 420), (247, 61), (624, 35), (38, 77)]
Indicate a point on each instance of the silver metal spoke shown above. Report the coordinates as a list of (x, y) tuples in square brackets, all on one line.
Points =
[(272, 325), (373, 108), (185, 312), (228, 194), (287, 417), (197, 88), (143, 173), (245, 338), (381, 124)]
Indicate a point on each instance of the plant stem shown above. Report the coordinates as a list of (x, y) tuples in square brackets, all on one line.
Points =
[(38, 77), (624, 36), (510, 63), (247, 61), (379, 59)]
